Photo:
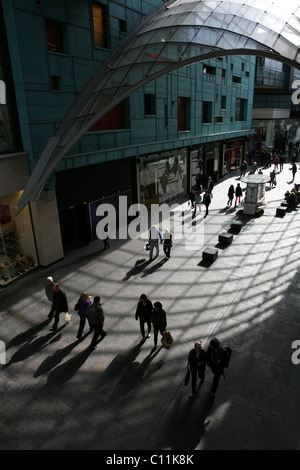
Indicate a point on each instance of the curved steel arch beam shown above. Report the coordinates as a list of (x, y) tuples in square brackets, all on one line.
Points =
[(177, 34)]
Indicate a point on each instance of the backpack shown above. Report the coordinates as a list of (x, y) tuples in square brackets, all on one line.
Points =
[(226, 355)]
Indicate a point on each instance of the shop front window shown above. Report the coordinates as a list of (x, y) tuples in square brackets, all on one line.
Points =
[(233, 156), (17, 247), (163, 177)]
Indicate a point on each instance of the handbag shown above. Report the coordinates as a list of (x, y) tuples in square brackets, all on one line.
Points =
[(187, 377), (167, 340), (147, 246), (68, 318), (76, 308)]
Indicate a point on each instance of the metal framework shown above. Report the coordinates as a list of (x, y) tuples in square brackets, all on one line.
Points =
[(178, 33)]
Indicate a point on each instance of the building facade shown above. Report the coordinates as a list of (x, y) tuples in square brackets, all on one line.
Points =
[(275, 117), (194, 121)]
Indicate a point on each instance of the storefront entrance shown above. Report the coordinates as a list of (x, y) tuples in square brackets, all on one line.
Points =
[(163, 177), (17, 246)]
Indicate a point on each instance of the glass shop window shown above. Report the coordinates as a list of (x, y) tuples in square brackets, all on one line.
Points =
[(17, 246)]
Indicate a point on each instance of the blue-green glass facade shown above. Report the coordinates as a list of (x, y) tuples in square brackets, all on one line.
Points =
[(41, 105)]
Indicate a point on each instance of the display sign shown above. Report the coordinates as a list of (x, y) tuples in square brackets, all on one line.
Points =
[(251, 193), (249, 208)]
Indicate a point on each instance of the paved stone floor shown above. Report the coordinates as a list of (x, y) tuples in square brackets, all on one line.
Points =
[(56, 394)]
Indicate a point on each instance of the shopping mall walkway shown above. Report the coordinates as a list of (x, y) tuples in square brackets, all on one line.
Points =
[(56, 394)]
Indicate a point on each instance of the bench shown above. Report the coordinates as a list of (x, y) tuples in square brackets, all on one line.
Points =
[(281, 211), (236, 225), (225, 238), (210, 254)]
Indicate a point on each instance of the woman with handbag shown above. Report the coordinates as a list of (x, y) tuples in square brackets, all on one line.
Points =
[(82, 305), (159, 321), (196, 365)]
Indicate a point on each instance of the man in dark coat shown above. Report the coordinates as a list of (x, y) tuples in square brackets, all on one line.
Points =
[(159, 321), (206, 201), (49, 293), (143, 312), (192, 197), (215, 360), (60, 304), (96, 318), (210, 185), (197, 365)]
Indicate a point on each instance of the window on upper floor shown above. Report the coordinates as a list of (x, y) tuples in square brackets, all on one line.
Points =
[(184, 114), (223, 102), (99, 21), (206, 112), (236, 79), (115, 119), (241, 109), (55, 82), (209, 69), (150, 104), (122, 26), (54, 36)]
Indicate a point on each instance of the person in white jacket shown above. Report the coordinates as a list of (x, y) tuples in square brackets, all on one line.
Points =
[(154, 238)]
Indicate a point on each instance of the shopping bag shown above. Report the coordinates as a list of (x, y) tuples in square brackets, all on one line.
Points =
[(187, 377), (147, 246), (167, 340), (68, 318)]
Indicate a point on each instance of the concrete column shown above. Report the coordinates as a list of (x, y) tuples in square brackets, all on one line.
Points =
[(270, 133), (47, 229)]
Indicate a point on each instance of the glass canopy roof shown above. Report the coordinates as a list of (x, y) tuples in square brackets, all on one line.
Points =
[(179, 33)]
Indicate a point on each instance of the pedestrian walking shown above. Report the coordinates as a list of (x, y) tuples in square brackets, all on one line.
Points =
[(238, 194), (281, 161), (168, 242), (83, 303), (60, 304), (192, 197), (210, 185), (198, 184), (144, 313), (196, 365), (245, 166), (242, 170), (197, 204), (215, 360), (106, 240), (159, 321), (230, 195), (272, 178), (206, 201), (49, 294), (96, 319), (154, 238), (294, 170), (276, 162)]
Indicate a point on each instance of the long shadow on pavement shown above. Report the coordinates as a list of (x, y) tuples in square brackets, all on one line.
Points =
[(186, 423), (32, 347), (66, 371), (155, 267), (133, 375), (114, 369), (52, 361), (139, 266), (26, 335)]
